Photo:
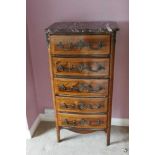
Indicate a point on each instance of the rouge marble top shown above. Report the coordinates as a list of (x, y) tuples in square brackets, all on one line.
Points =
[(82, 28)]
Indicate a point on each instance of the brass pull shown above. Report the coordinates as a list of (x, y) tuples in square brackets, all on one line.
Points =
[(99, 67), (71, 123), (81, 87), (97, 123), (60, 45), (82, 122), (65, 122), (98, 106), (88, 88), (81, 106), (67, 106), (60, 68), (97, 47), (81, 67), (79, 45), (62, 88)]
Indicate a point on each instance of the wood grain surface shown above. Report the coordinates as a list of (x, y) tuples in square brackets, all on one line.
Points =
[(82, 87), (81, 69), (81, 105), (81, 66), (82, 121), (72, 44)]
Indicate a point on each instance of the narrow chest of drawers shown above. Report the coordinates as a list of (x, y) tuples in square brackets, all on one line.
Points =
[(81, 60)]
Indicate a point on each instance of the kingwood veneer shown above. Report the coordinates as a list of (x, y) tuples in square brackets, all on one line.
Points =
[(81, 60)]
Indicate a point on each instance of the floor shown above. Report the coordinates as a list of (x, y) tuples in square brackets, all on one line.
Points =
[(44, 142)]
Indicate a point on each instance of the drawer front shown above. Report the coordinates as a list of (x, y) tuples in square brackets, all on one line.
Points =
[(81, 67), (80, 44), (81, 87), (81, 105), (82, 121)]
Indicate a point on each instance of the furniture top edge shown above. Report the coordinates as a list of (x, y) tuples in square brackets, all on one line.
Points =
[(81, 28)]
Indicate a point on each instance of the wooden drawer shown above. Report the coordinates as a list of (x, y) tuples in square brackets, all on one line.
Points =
[(82, 121), (81, 105), (82, 87), (81, 67), (80, 44)]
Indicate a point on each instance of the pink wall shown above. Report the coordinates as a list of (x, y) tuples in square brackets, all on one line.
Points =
[(42, 13), (31, 104)]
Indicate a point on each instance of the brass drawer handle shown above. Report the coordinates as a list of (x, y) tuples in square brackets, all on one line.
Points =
[(62, 88), (60, 68), (67, 106), (98, 106), (79, 45), (81, 87), (99, 67), (97, 47), (80, 68), (82, 122), (99, 122), (67, 122), (81, 106)]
